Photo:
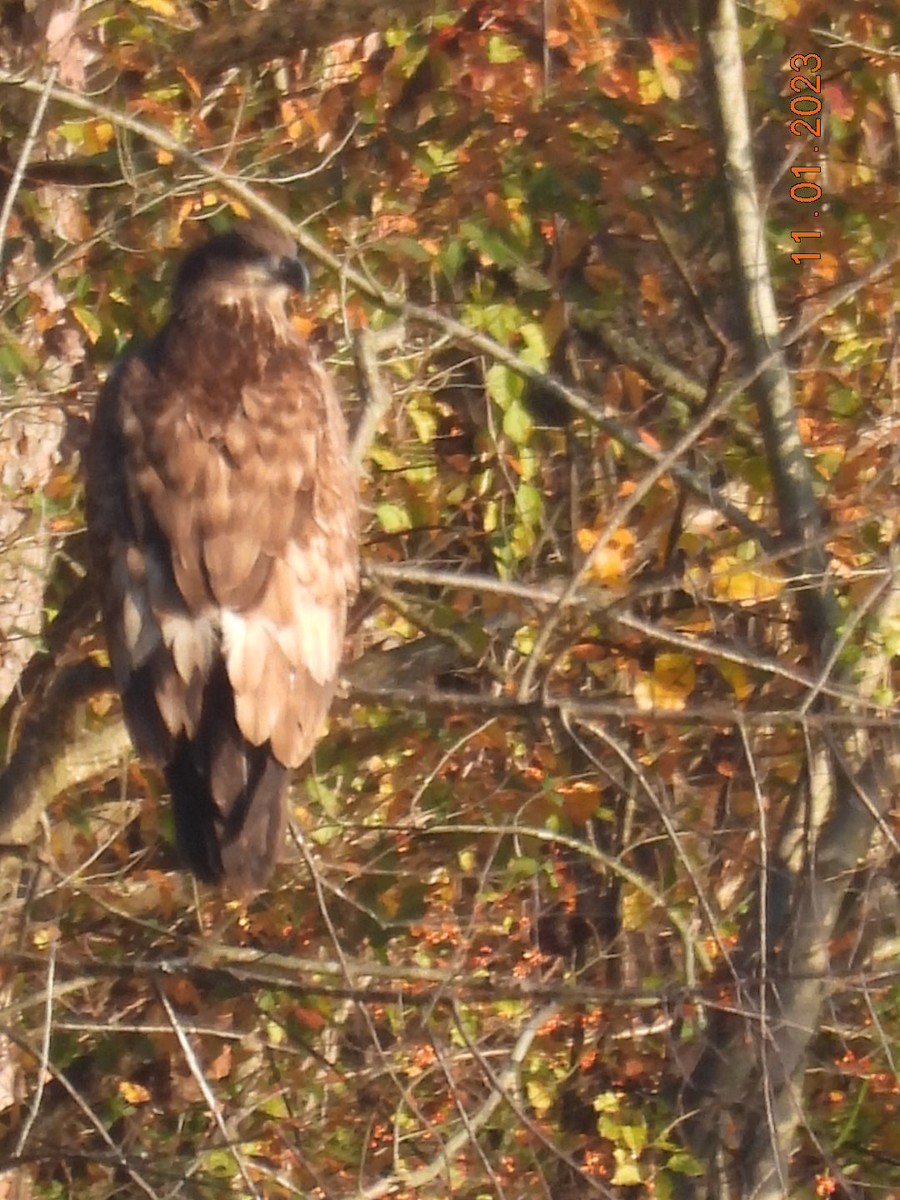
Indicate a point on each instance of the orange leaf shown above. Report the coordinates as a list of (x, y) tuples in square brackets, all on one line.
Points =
[(309, 1018), (581, 799), (609, 564), (220, 1066), (133, 1093)]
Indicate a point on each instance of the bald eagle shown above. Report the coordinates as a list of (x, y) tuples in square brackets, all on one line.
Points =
[(222, 520)]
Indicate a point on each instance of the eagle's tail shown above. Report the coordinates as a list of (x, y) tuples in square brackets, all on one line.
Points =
[(229, 799)]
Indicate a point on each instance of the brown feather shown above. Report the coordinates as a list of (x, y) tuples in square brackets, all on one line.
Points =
[(222, 513)]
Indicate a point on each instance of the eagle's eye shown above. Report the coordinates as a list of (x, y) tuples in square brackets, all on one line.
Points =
[(293, 272)]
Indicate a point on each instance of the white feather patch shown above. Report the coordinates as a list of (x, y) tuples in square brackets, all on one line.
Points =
[(310, 641), (139, 629), (313, 633), (191, 641)]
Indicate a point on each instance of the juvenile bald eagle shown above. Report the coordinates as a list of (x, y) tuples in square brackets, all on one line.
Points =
[(222, 516)]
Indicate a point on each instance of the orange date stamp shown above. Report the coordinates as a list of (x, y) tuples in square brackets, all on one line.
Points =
[(806, 107)]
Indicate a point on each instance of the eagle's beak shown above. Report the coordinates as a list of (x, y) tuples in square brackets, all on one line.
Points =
[(294, 273)]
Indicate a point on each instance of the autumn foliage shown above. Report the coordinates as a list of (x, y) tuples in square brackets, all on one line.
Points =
[(607, 804)]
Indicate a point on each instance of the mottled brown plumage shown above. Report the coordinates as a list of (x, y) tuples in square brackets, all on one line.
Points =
[(222, 515)]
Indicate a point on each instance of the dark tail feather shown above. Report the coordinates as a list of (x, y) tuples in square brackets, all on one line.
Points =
[(254, 831), (197, 822), (230, 811)]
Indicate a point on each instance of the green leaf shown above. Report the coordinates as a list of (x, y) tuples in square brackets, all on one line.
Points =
[(844, 402), (11, 362), (517, 422), (502, 51), (275, 1106), (501, 321), (89, 321), (529, 504), (452, 258), (684, 1163), (220, 1163), (393, 518), (535, 353), (421, 413), (540, 1096), (634, 1137), (523, 868), (504, 386), (386, 459), (491, 244), (491, 519), (406, 247), (627, 1173)]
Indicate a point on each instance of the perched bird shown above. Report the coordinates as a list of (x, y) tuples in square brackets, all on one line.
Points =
[(222, 518)]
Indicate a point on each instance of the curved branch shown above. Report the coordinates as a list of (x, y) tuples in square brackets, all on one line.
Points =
[(55, 752)]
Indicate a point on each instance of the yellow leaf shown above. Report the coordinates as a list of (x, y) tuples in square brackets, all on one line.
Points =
[(540, 1096), (97, 136), (669, 80), (467, 860), (163, 8), (674, 678), (45, 937), (740, 582), (607, 1102), (133, 1093), (586, 539), (736, 675), (163, 157), (636, 909), (649, 87)]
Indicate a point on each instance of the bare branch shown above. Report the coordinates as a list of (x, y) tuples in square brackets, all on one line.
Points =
[(18, 174), (208, 1095), (44, 1061)]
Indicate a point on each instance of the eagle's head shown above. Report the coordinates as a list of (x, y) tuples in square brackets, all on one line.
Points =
[(252, 263)]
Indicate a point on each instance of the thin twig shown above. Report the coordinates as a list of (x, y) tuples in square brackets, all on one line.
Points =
[(208, 1095), (599, 600), (21, 166), (503, 1082), (665, 464), (44, 1060), (366, 347), (513, 1098), (346, 969), (120, 1158)]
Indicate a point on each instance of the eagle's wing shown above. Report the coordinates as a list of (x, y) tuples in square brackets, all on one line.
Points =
[(223, 520)]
